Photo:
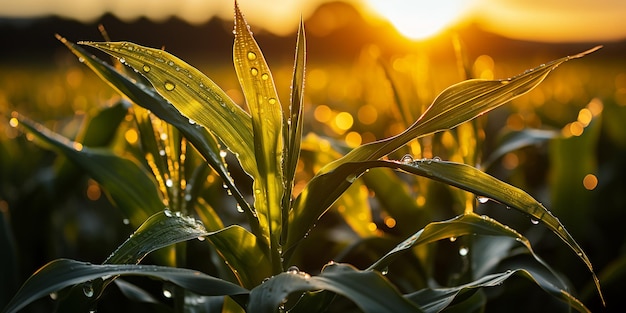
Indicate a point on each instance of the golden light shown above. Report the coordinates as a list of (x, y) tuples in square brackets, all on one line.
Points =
[(420, 19), (590, 182)]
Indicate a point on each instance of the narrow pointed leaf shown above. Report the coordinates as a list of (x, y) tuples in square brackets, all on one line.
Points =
[(258, 87), (160, 230), (293, 131), (457, 104), (131, 187), (435, 300), (145, 97), (62, 273), (243, 253), (192, 93), (519, 139), (369, 290)]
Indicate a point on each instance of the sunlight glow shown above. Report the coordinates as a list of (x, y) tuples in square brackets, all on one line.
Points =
[(420, 19)]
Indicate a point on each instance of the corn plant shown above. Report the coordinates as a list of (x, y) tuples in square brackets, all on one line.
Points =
[(188, 125)]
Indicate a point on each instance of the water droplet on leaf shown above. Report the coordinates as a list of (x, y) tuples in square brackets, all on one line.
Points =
[(251, 56), (254, 71), (482, 199), (146, 68), (407, 158), (463, 251), (534, 221), (126, 221), (169, 86), (265, 76), (122, 60), (452, 239), (88, 290), (293, 270)]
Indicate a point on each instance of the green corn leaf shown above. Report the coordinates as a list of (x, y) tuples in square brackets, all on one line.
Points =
[(192, 93), (63, 273), (369, 290), (259, 91), (455, 174), (160, 230), (457, 104), (435, 300), (468, 224), (145, 97), (243, 254), (128, 185), (293, 131)]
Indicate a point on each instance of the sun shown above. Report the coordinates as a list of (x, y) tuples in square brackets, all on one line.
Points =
[(420, 19)]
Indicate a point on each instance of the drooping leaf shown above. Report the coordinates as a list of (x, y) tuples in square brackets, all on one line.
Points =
[(62, 273), (129, 186), (434, 300), (468, 224), (259, 91), (369, 290), (160, 230), (243, 253), (145, 97), (455, 174)]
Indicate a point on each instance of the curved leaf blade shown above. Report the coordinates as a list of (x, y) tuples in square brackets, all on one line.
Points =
[(369, 290), (458, 175), (160, 230), (519, 139), (457, 104), (62, 273), (435, 300)]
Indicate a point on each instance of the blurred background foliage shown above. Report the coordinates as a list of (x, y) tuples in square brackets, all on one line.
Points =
[(363, 83)]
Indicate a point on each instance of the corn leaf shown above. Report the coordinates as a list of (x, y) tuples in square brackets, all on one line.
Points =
[(160, 230), (259, 91), (518, 139), (193, 94), (62, 273), (128, 185), (145, 97), (435, 300), (455, 174), (243, 254), (369, 290), (457, 104), (293, 131)]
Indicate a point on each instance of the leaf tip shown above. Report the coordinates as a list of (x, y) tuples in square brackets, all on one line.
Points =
[(594, 49)]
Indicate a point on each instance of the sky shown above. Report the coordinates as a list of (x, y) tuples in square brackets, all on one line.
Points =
[(533, 20)]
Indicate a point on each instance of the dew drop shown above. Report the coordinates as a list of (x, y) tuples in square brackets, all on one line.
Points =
[(265, 76), (239, 208), (452, 239), (293, 270), (81, 59), (122, 60), (169, 86), (169, 183), (385, 271), (88, 290), (126, 221), (254, 71), (162, 152), (463, 251), (167, 212), (436, 159), (482, 199), (534, 221), (223, 153), (167, 293), (201, 238), (192, 122), (272, 100), (251, 56), (146, 68), (54, 295), (407, 158)]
